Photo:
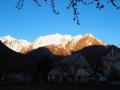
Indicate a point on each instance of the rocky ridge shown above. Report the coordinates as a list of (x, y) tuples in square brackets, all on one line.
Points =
[(58, 44), (14, 44)]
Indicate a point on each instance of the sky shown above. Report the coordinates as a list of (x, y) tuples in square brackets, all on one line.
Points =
[(32, 21)]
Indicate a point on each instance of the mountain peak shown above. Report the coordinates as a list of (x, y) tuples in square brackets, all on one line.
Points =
[(89, 35), (57, 43), (7, 37), (52, 39), (13, 43)]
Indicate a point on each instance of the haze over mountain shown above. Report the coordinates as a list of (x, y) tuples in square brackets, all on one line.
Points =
[(58, 44)]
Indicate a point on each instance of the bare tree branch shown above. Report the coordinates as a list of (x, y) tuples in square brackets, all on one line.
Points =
[(72, 4)]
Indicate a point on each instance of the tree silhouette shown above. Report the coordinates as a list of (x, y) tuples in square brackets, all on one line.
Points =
[(73, 4)]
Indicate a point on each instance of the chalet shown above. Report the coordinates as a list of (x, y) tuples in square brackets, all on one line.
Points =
[(73, 68), (111, 60), (91, 63)]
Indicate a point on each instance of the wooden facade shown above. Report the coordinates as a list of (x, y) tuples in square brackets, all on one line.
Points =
[(111, 61), (74, 69)]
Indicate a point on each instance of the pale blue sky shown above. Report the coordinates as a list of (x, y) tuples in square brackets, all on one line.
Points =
[(32, 21)]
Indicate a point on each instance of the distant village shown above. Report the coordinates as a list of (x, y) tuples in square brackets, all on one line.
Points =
[(102, 66), (89, 60), (76, 68)]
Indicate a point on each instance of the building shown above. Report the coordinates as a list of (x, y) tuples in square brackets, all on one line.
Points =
[(74, 68), (111, 61)]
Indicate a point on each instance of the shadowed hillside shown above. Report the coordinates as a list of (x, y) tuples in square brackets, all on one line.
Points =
[(36, 62), (8, 58), (90, 63)]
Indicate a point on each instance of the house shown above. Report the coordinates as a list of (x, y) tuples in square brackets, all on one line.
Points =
[(111, 61), (94, 63), (72, 68)]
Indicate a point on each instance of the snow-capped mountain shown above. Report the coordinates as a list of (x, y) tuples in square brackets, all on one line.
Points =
[(84, 41), (63, 44), (58, 44), (14, 44), (55, 39)]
